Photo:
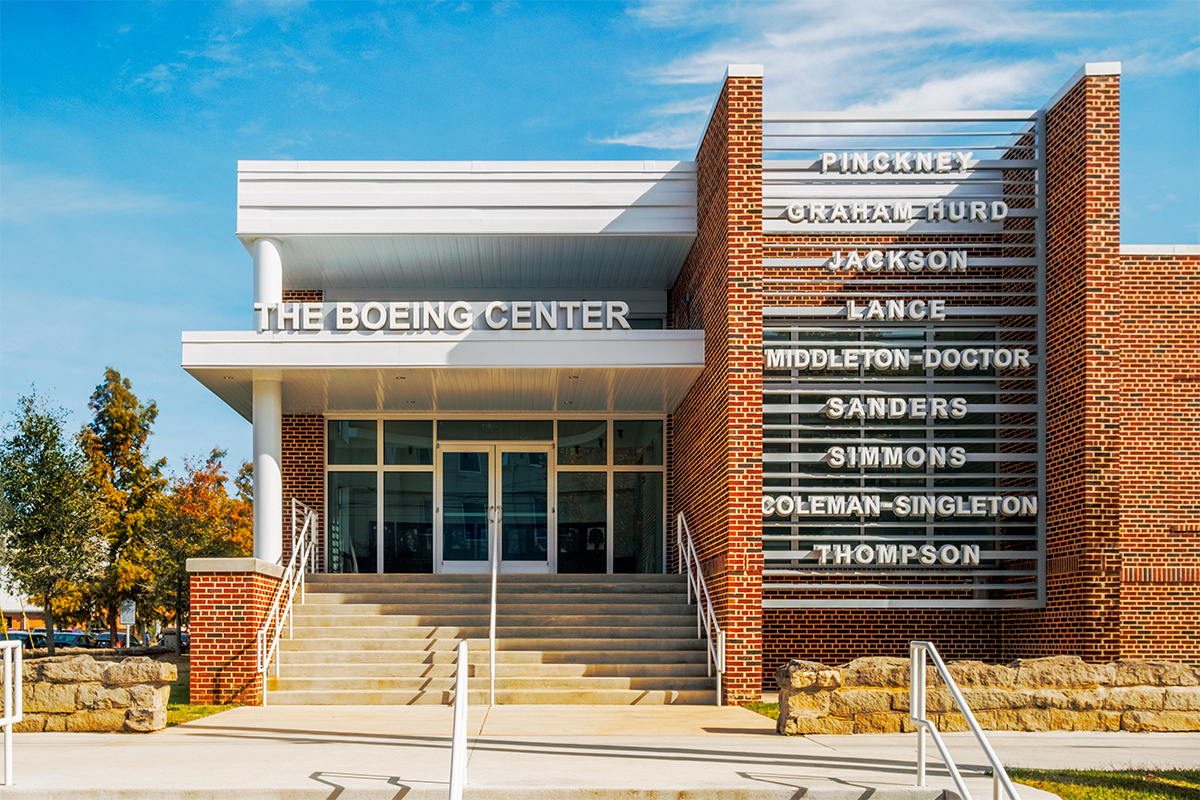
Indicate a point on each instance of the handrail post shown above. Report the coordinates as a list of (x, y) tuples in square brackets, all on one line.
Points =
[(12, 704), (458, 735), (916, 702), (720, 667), (492, 627)]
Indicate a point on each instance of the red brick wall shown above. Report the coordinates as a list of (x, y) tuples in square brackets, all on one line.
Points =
[(1083, 338), (716, 434), (836, 636), (303, 467), (1159, 370), (228, 608), (303, 295)]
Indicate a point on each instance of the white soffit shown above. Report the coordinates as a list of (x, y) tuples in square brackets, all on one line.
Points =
[(356, 224), (635, 371)]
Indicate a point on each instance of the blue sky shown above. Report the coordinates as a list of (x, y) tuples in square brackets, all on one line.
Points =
[(121, 125)]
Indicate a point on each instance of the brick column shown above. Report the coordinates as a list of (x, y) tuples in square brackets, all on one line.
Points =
[(1083, 330), (230, 601), (716, 433), (743, 289), (303, 467)]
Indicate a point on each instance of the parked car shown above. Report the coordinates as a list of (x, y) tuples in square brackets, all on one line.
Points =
[(103, 640), (28, 639), (72, 639)]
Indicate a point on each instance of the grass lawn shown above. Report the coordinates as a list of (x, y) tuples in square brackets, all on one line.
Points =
[(1169, 784), (179, 710), (766, 709)]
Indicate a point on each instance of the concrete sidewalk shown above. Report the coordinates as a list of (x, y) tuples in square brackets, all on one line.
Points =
[(651, 752)]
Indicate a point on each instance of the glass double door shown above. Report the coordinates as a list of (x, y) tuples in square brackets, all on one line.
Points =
[(492, 503)]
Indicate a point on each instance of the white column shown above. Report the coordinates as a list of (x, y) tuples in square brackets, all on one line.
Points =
[(268, 417), (268, 272), (268, 474)]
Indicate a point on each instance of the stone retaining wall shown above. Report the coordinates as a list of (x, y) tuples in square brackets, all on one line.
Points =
[(870, 695), (79, 693)]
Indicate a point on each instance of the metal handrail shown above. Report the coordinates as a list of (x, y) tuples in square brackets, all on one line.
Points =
[(304, 552), (706, 615), (14, 710), (495, 516), (916, 714), (458, 736)]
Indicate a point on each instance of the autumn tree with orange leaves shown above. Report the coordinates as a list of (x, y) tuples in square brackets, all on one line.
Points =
[(197, 518), (128, 484)]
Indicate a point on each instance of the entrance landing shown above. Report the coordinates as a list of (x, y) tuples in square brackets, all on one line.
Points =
[(535, 752)]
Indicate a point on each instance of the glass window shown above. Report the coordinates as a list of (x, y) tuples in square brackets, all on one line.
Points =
[(465, 498), (407, 442), (408, 522), (582, 442), (637, 522), (582, 522), (352, 522), (638, 442), (499, 430), (524, 485), (351, 441)]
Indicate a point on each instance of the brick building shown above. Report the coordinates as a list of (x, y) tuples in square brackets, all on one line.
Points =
[(896, 372)]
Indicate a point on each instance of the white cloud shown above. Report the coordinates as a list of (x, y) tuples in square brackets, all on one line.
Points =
[(996, 86), (29, 195), (699, 105), (1156, 63), (158, 79), (867, 54), (666, 137)]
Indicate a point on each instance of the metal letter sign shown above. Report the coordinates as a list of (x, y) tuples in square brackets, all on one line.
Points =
[(903, 384)]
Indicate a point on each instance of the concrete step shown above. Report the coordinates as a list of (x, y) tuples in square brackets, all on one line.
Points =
[(311, 619), (481, 669), (641, 683), (508, 697), (480, 656), (444, 586), (506, 631), (524, 604), (449, 643), (486, 578)]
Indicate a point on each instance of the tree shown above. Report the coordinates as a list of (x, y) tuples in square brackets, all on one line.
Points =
[(197, 519), (129, 487), (245, 483), (50, 517)]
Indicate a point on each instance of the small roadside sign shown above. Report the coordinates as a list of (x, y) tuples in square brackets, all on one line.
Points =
[(128, 613)]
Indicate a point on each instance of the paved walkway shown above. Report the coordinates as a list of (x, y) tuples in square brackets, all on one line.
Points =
[(535, 753)]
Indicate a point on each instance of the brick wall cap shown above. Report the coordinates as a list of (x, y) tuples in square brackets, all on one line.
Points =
[(744, 71), (255, 565), (1089, 69), (1160, 249)]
